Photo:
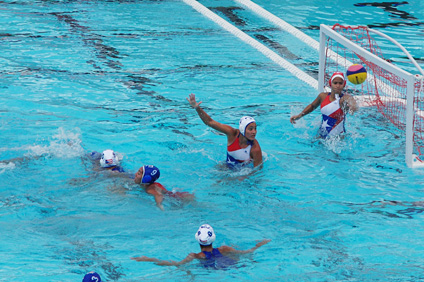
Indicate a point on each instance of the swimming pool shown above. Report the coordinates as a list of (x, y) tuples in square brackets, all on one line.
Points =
[(78, 76)]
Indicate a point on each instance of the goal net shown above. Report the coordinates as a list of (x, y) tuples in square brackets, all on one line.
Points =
[(397, 94)]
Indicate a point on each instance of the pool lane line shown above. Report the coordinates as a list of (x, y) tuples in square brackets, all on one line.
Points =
[(254, 43), (314, 44), (280, 23)]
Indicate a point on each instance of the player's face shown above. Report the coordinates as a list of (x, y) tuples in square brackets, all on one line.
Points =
[(337, 85), (139, 175), (250, 132)]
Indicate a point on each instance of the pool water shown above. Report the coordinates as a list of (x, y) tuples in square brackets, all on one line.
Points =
[(79, 76)]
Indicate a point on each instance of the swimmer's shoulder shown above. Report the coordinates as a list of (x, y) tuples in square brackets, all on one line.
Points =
[(158, 186), (200, 255), (225, 249), (155, 185), (321, 96), (118, 168)]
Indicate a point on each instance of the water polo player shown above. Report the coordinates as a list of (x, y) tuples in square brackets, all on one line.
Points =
[(147, 175), (242, 146), (334, 106), (108, 160), (209, 256)]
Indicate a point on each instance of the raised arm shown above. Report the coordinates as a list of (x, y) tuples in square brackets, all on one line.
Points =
[(189, 258), (309, 108), (228, 249), (226, 129)]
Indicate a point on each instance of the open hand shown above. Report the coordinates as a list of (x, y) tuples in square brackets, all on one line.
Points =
[(192, 100)]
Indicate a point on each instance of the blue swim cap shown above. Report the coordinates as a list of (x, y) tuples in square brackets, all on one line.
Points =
[(92, 277), (150, 174)]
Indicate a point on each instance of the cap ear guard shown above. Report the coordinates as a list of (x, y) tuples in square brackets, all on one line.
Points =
[(146, 179)]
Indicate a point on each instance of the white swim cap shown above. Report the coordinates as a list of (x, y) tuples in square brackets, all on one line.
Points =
[(109, 159), (244, 122), (205, 235)]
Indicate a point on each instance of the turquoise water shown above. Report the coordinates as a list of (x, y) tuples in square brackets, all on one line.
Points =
[(78, 76)]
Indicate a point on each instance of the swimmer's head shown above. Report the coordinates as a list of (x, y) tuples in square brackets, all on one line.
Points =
[(337, 74), (205, 235), (92, 277), (109, 159), (243, 123), (147, 174)]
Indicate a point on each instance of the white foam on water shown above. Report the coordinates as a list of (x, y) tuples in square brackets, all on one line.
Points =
[(6, 166), (65, 144)]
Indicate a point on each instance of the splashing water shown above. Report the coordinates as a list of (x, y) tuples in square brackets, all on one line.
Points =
[(64, 144), (336, 144), (6, 166)]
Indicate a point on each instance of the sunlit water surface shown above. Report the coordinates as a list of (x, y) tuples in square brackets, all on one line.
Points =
[(78, 76)]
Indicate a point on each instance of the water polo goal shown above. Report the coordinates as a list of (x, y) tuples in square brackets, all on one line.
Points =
[(397, 94)]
